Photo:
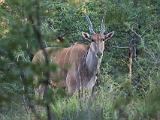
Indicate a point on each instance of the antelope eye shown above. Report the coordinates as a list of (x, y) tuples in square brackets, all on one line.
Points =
[(92, 40)]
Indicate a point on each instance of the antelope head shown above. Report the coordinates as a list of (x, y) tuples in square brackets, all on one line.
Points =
[(97, 45), (97, 39)]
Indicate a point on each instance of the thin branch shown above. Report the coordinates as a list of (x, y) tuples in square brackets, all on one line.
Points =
[(138, 35), (36, 24), (119, 47)]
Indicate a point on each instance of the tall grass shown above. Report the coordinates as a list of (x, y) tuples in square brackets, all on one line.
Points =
[(112, 101)]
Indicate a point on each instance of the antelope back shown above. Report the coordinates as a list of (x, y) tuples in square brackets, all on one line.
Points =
[(66, 59), (70, 56)]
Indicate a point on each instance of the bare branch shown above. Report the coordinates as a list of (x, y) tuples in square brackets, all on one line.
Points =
[(138, 35)]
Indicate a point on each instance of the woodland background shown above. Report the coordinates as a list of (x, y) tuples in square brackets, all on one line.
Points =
[(130, 72)]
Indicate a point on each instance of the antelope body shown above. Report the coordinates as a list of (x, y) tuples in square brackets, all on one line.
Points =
[(84, 61)]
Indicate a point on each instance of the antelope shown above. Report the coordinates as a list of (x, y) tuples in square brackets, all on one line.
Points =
[(84, 61)]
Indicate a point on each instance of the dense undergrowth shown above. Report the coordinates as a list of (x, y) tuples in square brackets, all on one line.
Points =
[(118, 97), (111, 102)]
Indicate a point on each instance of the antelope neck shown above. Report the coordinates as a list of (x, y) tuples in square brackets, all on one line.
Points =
[(92, 61)]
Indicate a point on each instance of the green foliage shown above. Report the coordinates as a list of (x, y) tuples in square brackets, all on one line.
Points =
[(118, 97)]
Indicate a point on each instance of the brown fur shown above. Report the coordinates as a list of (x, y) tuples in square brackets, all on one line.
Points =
[(68, 60)]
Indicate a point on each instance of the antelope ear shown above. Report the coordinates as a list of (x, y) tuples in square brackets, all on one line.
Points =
[(109, 35), (85, 35)]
